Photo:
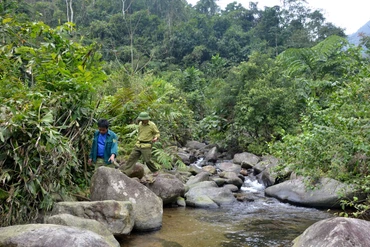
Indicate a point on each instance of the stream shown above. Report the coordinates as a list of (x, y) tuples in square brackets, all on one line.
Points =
[(264, 222)]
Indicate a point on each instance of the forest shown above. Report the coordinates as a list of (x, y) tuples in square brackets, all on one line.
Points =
[(274, 80)]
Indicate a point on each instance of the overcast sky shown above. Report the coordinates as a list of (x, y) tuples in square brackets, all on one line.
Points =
[(350, 15)]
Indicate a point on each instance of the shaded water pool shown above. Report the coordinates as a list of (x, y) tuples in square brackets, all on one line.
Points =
[(262, 222)]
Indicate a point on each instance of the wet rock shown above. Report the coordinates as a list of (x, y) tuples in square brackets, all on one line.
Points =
[(335, 232), (168, 187), (229, 167), (36, 235), (210, 169), (219, 181), (87, 224), (246, 160), (203, 176), (117, 216), (209, 197), (203, 184), (244, 197), (231, 187), (232, 178), (111, 184), (244, 172), (181, 202), (211, 155), (326, 195), (264, 170), (193, 169)]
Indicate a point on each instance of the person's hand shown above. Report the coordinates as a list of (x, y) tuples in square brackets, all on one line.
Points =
[(155, 139), (111, 158), (89, 161)]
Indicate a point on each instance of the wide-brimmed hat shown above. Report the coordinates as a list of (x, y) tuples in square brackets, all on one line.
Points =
[(143, 116)]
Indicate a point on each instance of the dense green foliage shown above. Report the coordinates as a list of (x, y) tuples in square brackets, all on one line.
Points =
[(47, 83), (279, 80)]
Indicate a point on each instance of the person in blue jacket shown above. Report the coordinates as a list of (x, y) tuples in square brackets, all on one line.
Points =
[(104, 147)]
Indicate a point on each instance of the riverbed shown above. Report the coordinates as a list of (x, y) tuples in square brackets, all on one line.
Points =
[(260, 222)]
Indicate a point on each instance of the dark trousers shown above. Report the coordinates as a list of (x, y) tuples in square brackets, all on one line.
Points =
[(146, 153)]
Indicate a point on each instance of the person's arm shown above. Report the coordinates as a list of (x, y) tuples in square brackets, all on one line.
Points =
[(114, 149), (156, 133)]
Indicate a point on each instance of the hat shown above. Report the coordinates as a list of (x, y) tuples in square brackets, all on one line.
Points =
[(143, 116)]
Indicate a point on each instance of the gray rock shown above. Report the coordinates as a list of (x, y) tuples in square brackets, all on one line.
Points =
[(87, 224), (111, 184), (219, 181), (204, 184), (193, 169), (246, 160), (326, 195), (168, 187), (232, 178), (231, 187), (209, 197), (137, 171), (210, 169), (229, 167), (203, 176), (211, 155), (185, 157), (117, 216), (46, 235), (181, 202), (195, 145), (335, 232)]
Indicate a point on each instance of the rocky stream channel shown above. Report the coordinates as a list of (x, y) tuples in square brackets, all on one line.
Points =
[(260, 222), (263, 222)]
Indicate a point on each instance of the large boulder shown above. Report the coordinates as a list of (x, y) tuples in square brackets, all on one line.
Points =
[(325, 195), (117, 216), (246, 160), (168, 187), (335, 232), (207, 195), (87, 224), (46, 235), (111, 184)]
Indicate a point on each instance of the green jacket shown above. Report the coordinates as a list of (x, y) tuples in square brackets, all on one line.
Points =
[(146, 133), (110, 148)]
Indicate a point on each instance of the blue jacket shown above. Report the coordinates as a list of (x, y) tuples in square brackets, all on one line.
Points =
[(110, 147)]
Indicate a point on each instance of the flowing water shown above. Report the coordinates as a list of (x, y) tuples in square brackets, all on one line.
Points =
[(258, 223)]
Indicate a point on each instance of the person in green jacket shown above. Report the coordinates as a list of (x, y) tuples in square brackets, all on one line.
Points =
[(104, 147), (148, 133)]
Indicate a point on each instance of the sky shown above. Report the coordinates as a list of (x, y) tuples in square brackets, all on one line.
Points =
[(350, 15)]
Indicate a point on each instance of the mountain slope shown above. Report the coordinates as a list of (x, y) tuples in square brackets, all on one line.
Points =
[(355, 37)]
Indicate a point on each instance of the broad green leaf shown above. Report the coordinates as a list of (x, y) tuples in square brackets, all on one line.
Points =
[(48, 118)]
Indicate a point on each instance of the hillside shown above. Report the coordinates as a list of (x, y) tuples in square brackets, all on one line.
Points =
[(355, 37)]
